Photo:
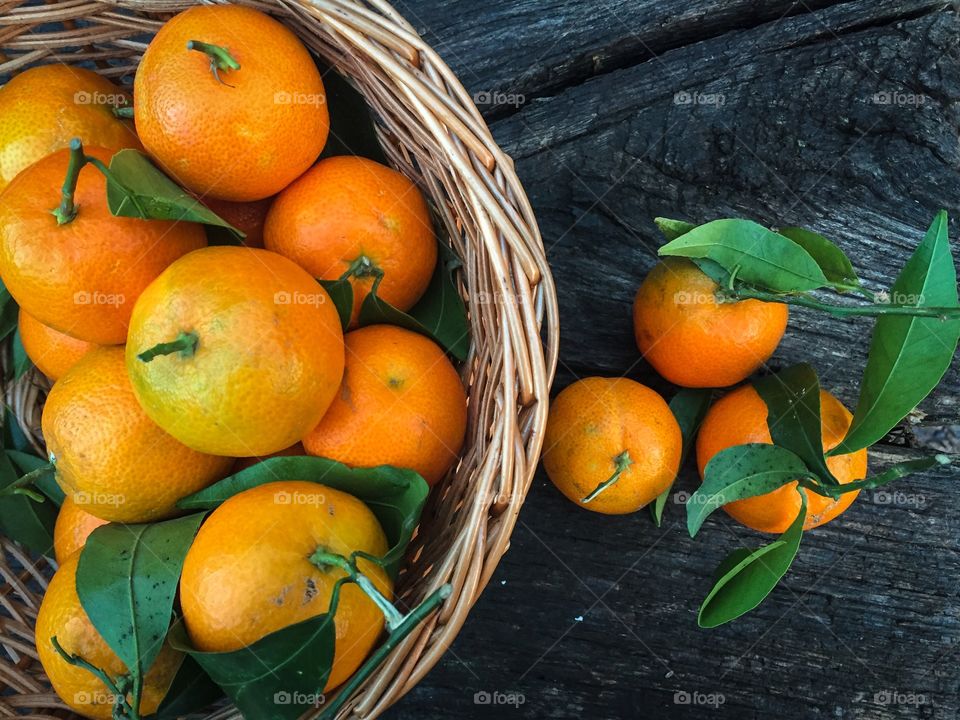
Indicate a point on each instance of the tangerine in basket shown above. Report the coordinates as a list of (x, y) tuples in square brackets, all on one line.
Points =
[(82, 274), (355, 218), (52, 351), (62, 616), (249, 571), (113, 460), (73, 527), (612, 445), (401, 403), (235, 351), (694, 341), (230, 103), (740, 417), (43, 108)]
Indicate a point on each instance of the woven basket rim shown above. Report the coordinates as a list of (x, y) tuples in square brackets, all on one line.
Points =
[(431, 131)]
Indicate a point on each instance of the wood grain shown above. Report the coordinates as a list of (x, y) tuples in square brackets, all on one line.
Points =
[(595, 617)]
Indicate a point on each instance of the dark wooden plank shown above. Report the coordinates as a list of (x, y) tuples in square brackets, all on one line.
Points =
[(869, 607), (594, 617), (535, 48)]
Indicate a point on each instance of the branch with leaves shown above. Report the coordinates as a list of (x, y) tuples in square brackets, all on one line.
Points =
[(913, 343)]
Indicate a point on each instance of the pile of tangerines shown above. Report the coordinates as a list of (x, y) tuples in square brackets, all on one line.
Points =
[(604, 429), (777, 453), (178, 363)]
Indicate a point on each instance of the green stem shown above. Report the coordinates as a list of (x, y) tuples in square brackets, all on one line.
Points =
[(323, 560), (364, 267), (895, 472), (220, 57), (27, 492), (122, 708), (66, 211), (185, 345), (397, 635), (621, 462), (125, 112), (18, 486), (873, 310)]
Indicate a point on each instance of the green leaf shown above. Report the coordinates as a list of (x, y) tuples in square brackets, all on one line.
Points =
[(21, 363), (191, 691), (139, 189), (672, 229), (276, 677), (395, 495), (834, 263), (341, 292), (9, 312), (740, 472), (440, 314), (352, 127), (748, 577), (23, 519), (26, 461), (793, 415), (45, 482), (127, 578), (13, 435), (713, 270), (761, 258), (908, 355), (689, 406)]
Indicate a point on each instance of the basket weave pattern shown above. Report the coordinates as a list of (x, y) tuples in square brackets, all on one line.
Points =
[(432, 132)]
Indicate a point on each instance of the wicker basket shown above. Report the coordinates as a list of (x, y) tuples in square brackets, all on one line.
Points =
[(431, 131)]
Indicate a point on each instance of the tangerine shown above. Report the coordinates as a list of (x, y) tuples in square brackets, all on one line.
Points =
[(401, 403), (249, 571), (52, 351), (81, 275), (611, 445), (740, 417), (112, 459), (235, 351), (43, 108), (693, 340), (61, 616), (230, 102), (73, 527), (355, 218)]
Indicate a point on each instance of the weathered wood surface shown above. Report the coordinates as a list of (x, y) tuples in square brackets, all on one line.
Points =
[(594, 617)]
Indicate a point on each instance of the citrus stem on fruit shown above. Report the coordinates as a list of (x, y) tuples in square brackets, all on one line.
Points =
[(125, 112), (122, 708), (363, 267), (220, 57), (185, 345), (871, 310), (66, 211), (19, 486), (323, 560), (397, 635), (621, 462)]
